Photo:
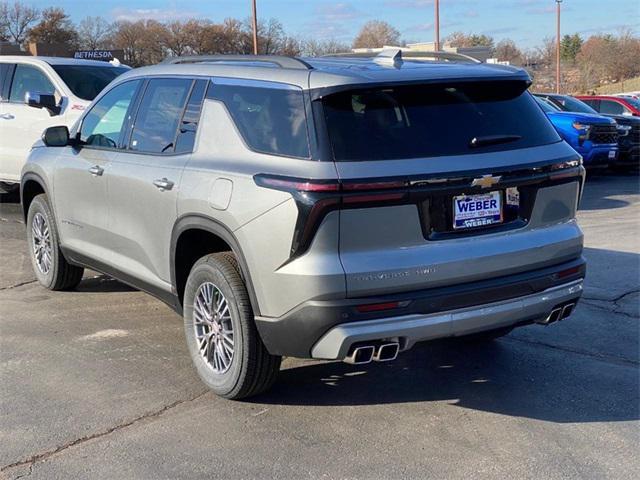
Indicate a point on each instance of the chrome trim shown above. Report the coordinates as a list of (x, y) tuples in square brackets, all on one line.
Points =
[(410, 329)]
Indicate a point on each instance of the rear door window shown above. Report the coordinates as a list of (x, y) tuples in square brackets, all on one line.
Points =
[(401, 122), (190, 119), (160, 112), (611, 107), (27, 78), (6, 71), (271, 118)]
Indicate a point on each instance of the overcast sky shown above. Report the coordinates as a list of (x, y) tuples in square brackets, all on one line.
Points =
[(525, 21)]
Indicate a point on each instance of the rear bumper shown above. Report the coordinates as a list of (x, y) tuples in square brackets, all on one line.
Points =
[(297, 333), (409, 329)]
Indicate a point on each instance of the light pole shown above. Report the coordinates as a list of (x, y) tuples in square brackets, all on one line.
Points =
[(437, 25), (254, 22), (558, 2)]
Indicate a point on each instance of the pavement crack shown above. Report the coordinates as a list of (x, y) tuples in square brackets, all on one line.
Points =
[(613, 309), (38, 457), (21, 284), (595, 356)]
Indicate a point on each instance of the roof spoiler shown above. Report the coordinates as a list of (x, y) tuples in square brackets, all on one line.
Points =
[(281, 61)]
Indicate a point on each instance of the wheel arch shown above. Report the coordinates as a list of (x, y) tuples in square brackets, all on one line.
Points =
[(188, 224), (31, 185)]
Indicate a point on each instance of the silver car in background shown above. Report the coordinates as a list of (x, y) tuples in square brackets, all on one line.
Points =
[(330, 208)]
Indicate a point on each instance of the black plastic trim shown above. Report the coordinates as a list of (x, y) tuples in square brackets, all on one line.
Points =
[(201, 222), (295, 333), (81, 260)]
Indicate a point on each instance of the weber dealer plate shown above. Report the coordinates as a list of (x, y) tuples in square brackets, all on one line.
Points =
[(470, 211)]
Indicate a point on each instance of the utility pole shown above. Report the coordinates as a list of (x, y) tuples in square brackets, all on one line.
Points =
[(254, 22), (437, 25), (558, 2)]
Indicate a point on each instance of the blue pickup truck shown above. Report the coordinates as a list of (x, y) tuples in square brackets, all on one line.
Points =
[(593, 136)]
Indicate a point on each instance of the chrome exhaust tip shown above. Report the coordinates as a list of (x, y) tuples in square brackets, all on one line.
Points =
[(554, 316), (567, 310), (360, 355), (387, 352)]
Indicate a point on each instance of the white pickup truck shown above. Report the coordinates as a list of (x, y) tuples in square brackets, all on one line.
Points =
[(39, 92)]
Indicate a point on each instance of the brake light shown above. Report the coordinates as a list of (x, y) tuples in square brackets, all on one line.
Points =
[(288, 184)]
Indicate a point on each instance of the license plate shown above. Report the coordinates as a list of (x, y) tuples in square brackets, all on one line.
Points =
[(612, 154), (471, 211)]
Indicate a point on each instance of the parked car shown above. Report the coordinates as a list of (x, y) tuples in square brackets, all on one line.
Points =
[(328, 208), (59, 89), (595, 137), (612, 104), (628, 127)]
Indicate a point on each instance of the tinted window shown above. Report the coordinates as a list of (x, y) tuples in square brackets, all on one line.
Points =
[(87, 82), (102, 126), (189, 124), (546, 105), (159, 114), (271, 120), (595, 104), (5, 78), (29, 79), (434, 120), (571, 104), (611, 107)]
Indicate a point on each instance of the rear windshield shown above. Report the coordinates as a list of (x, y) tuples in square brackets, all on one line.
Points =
[(87, 82), (434, 120)]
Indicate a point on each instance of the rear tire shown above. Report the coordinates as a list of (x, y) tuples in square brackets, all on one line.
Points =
[(221, 334), (488, 336), (51, 268)]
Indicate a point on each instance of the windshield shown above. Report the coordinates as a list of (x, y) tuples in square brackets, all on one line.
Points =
[(633, 101), (571, 104), (434, 120), (87, 82)]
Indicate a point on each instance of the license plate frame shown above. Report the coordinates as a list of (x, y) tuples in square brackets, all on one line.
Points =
[(477, 210)]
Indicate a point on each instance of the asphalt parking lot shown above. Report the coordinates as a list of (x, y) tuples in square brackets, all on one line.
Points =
[(97, 383)]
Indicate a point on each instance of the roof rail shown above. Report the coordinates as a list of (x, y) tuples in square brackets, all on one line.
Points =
[(408, 55), (279, 60)]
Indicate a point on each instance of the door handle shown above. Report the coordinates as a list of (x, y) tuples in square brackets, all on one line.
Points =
[(163, 184), (96, 171), (7, 116)]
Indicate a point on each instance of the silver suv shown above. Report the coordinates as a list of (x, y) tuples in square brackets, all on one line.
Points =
[(328, 208)]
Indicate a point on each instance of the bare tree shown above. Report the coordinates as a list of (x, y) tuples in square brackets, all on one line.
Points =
[(506, 50), (54, 27), (461, 39), (16, 19), (316, 48), (95, 33), (376, 33)]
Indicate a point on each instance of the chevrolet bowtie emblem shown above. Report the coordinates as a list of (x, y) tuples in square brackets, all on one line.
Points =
[(485, 181)]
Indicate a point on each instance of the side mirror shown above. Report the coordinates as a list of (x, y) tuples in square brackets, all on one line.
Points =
[(56, 136), (43, 100)]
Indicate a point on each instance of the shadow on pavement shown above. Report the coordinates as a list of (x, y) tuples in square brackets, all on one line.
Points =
[(103, 284), (601, 186), (500, 377)]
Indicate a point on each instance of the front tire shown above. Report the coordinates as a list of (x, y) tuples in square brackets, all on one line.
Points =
[(222, 338), (51, 268)]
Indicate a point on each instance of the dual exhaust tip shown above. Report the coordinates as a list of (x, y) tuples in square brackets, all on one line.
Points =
[(385, 352), (558, 313)]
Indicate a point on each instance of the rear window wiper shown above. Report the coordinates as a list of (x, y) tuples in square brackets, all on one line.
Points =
[(492, 140)]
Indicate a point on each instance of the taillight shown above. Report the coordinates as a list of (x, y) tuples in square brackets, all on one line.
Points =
[(316, 198)]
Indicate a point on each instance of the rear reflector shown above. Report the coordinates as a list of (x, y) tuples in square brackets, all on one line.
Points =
[(568, 272), (378, 307)]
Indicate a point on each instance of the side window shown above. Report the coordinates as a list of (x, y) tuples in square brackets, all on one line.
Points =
[(270, 119), (595, 104), (159, 114), (103, 124), (29, 79), (6, 70), (611, 107), (189, 124)]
